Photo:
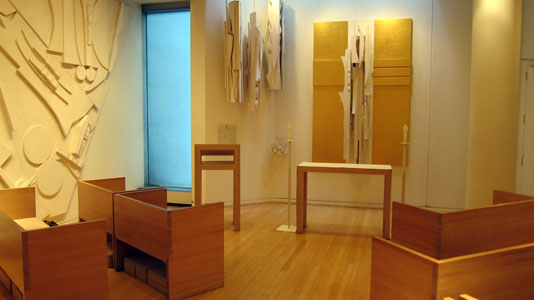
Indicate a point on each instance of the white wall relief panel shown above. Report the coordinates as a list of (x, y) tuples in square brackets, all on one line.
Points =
[(54, 56)]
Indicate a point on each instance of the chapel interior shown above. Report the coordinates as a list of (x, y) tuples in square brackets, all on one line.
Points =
[(267, 149)]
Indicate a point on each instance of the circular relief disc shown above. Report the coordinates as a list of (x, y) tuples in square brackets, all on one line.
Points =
[(38, 144), (91, 74), (81, 73), (49, 178)]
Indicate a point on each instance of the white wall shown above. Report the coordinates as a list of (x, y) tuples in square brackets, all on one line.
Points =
[(449, 103), (117, 146)]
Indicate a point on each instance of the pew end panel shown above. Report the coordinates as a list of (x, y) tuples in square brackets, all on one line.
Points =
[(18, 203), (95, 199), (417, 228), (72, 256), (11, 254), (196, 264), (142, 226), (400, 273)]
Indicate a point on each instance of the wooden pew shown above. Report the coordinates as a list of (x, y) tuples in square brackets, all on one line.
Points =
[(190, 241), (398, 272), (63, 262), (451, 234), (95, 199)]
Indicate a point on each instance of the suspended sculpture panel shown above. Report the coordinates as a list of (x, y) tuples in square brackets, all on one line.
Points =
[(54, 56)]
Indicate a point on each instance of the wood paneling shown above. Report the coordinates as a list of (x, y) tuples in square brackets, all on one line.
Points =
[(117, 184), (399, 273), (11, 249), (189, 240), (488, 228), (66, 262), (501, 197), (503, 274), (95, 202), (392, 88), (141, 225), (451, 234), (196, 264), (416, 228), (154, 196), (18, 203), (330, 39)]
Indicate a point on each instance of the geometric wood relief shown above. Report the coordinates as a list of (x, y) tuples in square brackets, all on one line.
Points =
[(54, 57)]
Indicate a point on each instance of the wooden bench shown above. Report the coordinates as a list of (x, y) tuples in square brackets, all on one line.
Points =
[(302, 186), (190, 241), (62, 262), (487, 252)]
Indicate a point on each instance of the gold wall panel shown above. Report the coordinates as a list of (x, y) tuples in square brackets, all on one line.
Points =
[(393, 43), (330, 39), (392, 88), (391, 110)]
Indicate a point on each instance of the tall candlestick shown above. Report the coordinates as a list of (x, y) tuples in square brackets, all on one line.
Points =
[(405, 139), (289, 127)]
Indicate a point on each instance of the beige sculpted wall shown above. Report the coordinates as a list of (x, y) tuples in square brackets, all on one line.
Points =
[(55, 57)]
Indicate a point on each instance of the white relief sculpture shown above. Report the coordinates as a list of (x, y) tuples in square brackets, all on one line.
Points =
[(253, 55), (232, 53), (358, 92), (38, 144), (57, 55), (275, 44)]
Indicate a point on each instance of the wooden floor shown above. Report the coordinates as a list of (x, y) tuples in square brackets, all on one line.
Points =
[(332, 260)]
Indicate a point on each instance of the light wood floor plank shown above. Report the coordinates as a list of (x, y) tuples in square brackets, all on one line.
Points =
[(332, 260)]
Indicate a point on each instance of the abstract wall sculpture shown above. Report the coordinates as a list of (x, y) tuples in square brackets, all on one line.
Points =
[(367, 65), (55, 56), (275, 44), (357, 96), (252, 64), (232, 53)]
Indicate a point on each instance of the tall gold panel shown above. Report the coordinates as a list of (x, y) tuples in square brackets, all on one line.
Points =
[(329, 44), (392, 88)]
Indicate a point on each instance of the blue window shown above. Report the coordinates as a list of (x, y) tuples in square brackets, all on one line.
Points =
[(168, 98)]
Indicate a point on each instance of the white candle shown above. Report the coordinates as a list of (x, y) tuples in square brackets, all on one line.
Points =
[(289, 127), (405, 139)]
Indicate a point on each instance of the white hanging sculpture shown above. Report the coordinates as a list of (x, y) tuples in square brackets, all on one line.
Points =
[(232, 53), (252, 64), (55, 58), (357, 96), (275, 44)]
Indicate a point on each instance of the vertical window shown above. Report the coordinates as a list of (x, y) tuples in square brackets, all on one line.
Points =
[(168, 98)]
